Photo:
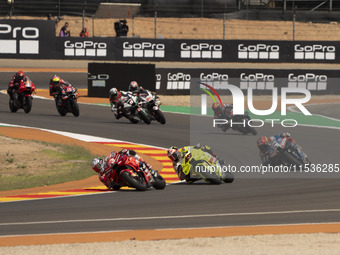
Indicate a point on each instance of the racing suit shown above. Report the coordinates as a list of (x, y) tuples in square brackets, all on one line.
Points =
[(177, 165), (56, 90), (117, 106), (224, 113), (13, 85), (274, 146)]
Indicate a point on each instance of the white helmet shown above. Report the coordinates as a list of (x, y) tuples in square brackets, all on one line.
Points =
[(134, 87)]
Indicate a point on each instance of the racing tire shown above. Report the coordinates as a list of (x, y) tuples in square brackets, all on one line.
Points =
[(27, 104), (159, 182), (230, 178), (61, 111), (132, 182), (144, 117), (291, 160), (159, 116), (209, 177), (12, 106), (75, 108)]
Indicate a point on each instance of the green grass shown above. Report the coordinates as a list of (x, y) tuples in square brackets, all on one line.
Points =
[(71, 163)]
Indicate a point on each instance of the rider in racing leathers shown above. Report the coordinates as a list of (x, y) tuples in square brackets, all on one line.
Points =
[(104, 166), (117, 99), (56, 88), (269, 147), (177, 156), (223, 112), (13, 85)]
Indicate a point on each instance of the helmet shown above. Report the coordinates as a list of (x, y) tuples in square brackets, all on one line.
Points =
[(55, 80), (97, 164), (262, 143), (115, 94), (113, 154), (20, 75), (134, 87), (173, 153), (216, 108)]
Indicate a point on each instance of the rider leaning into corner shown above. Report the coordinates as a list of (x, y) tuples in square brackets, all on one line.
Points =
[(269, 147), (13, 85), (117, 99), (223, 112), (104, 166), (177, 156)]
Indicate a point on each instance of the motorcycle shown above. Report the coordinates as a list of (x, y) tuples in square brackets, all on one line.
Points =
[(68, 101), (198, 164), (126, 171), (288, 154), (23, 98), (151, 102), (131, 108), (239, 123)]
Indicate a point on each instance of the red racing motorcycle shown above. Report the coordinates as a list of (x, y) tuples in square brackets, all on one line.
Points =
[(126, 171), (22, 99)]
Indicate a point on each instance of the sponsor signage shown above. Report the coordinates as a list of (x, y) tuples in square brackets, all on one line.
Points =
[(27, 38), (179, 81), (143, 50), (85, 48)]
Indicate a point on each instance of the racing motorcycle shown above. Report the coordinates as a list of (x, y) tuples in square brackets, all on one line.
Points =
[(198, 164), (288, 154), (23, 97), (151, 102), (239, 123), (68, 101), (132, 108), (127, 172)]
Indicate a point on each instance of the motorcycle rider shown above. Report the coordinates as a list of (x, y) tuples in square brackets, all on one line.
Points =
[(13, 85), (117, 99), (135, 88), (104, 166), (223, 112), (57, 87), (177, 156), (270, 147)]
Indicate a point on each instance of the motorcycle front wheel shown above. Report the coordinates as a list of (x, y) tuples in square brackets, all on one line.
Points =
[(12, 106), (144, 117), (159, 116), (75, 108), (27, 104), (159, 182)]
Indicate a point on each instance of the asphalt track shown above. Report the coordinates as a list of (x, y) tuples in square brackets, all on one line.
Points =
[(247, 201)]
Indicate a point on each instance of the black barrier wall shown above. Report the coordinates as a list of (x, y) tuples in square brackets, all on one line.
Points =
[(176, 81), (36, 39), (104, 76)]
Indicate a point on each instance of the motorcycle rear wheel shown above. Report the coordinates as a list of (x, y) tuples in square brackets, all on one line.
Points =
[(27, 104), (210, 178), (61, 111), (132, 182)]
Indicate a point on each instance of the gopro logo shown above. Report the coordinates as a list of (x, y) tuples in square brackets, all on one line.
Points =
[(257, 81), (316, 51), (201, 50), (22, 40), (178, 81), (144, 50), (308, 81), (86, 48), (258, 51)]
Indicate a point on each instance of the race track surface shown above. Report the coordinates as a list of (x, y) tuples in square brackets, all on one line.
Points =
[(247, 201)]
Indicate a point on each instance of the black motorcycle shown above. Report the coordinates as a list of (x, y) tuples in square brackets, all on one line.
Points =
[(68, 101), (151, 102)]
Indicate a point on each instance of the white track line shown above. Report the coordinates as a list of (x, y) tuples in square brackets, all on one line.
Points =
[(170, 217)]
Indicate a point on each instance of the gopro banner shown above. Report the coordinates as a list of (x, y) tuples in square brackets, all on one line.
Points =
[(175, 81), (26, 39)]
